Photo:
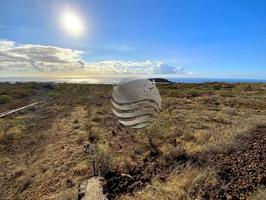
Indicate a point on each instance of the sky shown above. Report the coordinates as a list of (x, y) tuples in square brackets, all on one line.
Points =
[(198, 38)]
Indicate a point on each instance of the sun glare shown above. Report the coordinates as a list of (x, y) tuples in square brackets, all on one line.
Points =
[(72, 23)]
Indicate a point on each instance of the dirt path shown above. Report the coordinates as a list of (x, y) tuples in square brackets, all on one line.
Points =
[(63, 166)]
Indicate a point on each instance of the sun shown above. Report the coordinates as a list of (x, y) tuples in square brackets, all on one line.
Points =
[(72, 23)]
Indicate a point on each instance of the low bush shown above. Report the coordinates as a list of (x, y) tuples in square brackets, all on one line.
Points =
[(6, 125), (156, 130), (173, 154), (175, 93), (193, 92), (53, 94), (5, 99), (22, 93)]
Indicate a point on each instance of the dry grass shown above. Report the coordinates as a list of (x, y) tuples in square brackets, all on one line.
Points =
[(103, 159), (195, 119), (197, 124), (177, 186), (258, 195), (36, 164)]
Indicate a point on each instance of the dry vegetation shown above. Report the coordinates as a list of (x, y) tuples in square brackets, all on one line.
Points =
[(42, 155), (178, 186)]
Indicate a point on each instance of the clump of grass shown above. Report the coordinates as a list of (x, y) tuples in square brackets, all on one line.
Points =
[(187, 137), (81, 169), (18, 172), (76, 121), (5, 99), (170, 154), (216, 86), (155, 131), (230, 111), (96, 118), (24, 183), (94, 135), (53, 94), (258, 195), (103, 158), (82, 99), (189, 92), (88, 126), (175, 93), (124, 164), (22, 93), (193, 92), (79, 139), (69, 193), (5, 160), (80, 136), (6, 125)]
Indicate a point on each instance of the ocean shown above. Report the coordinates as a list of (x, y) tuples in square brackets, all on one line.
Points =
[(114, 80)]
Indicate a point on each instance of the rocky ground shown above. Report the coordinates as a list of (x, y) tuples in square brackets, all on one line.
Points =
[(241, 171)]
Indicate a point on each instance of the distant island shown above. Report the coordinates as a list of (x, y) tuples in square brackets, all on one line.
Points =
[(160, 80)]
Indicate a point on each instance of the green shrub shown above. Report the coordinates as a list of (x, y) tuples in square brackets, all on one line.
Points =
[(22, 93), (193, 92), (175, 93), (155, 131), (53, 94), (5, 99)]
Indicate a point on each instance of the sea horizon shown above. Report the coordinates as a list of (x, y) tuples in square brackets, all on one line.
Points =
[(114, 80)]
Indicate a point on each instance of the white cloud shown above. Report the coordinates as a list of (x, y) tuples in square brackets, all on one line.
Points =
[(37, 57), (28, 57), (133, 67), (6, 44)]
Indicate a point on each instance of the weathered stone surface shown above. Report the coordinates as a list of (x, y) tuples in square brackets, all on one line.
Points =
[(91, 190)]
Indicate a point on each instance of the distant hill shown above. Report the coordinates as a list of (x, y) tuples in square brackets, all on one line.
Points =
[(160, 80)]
